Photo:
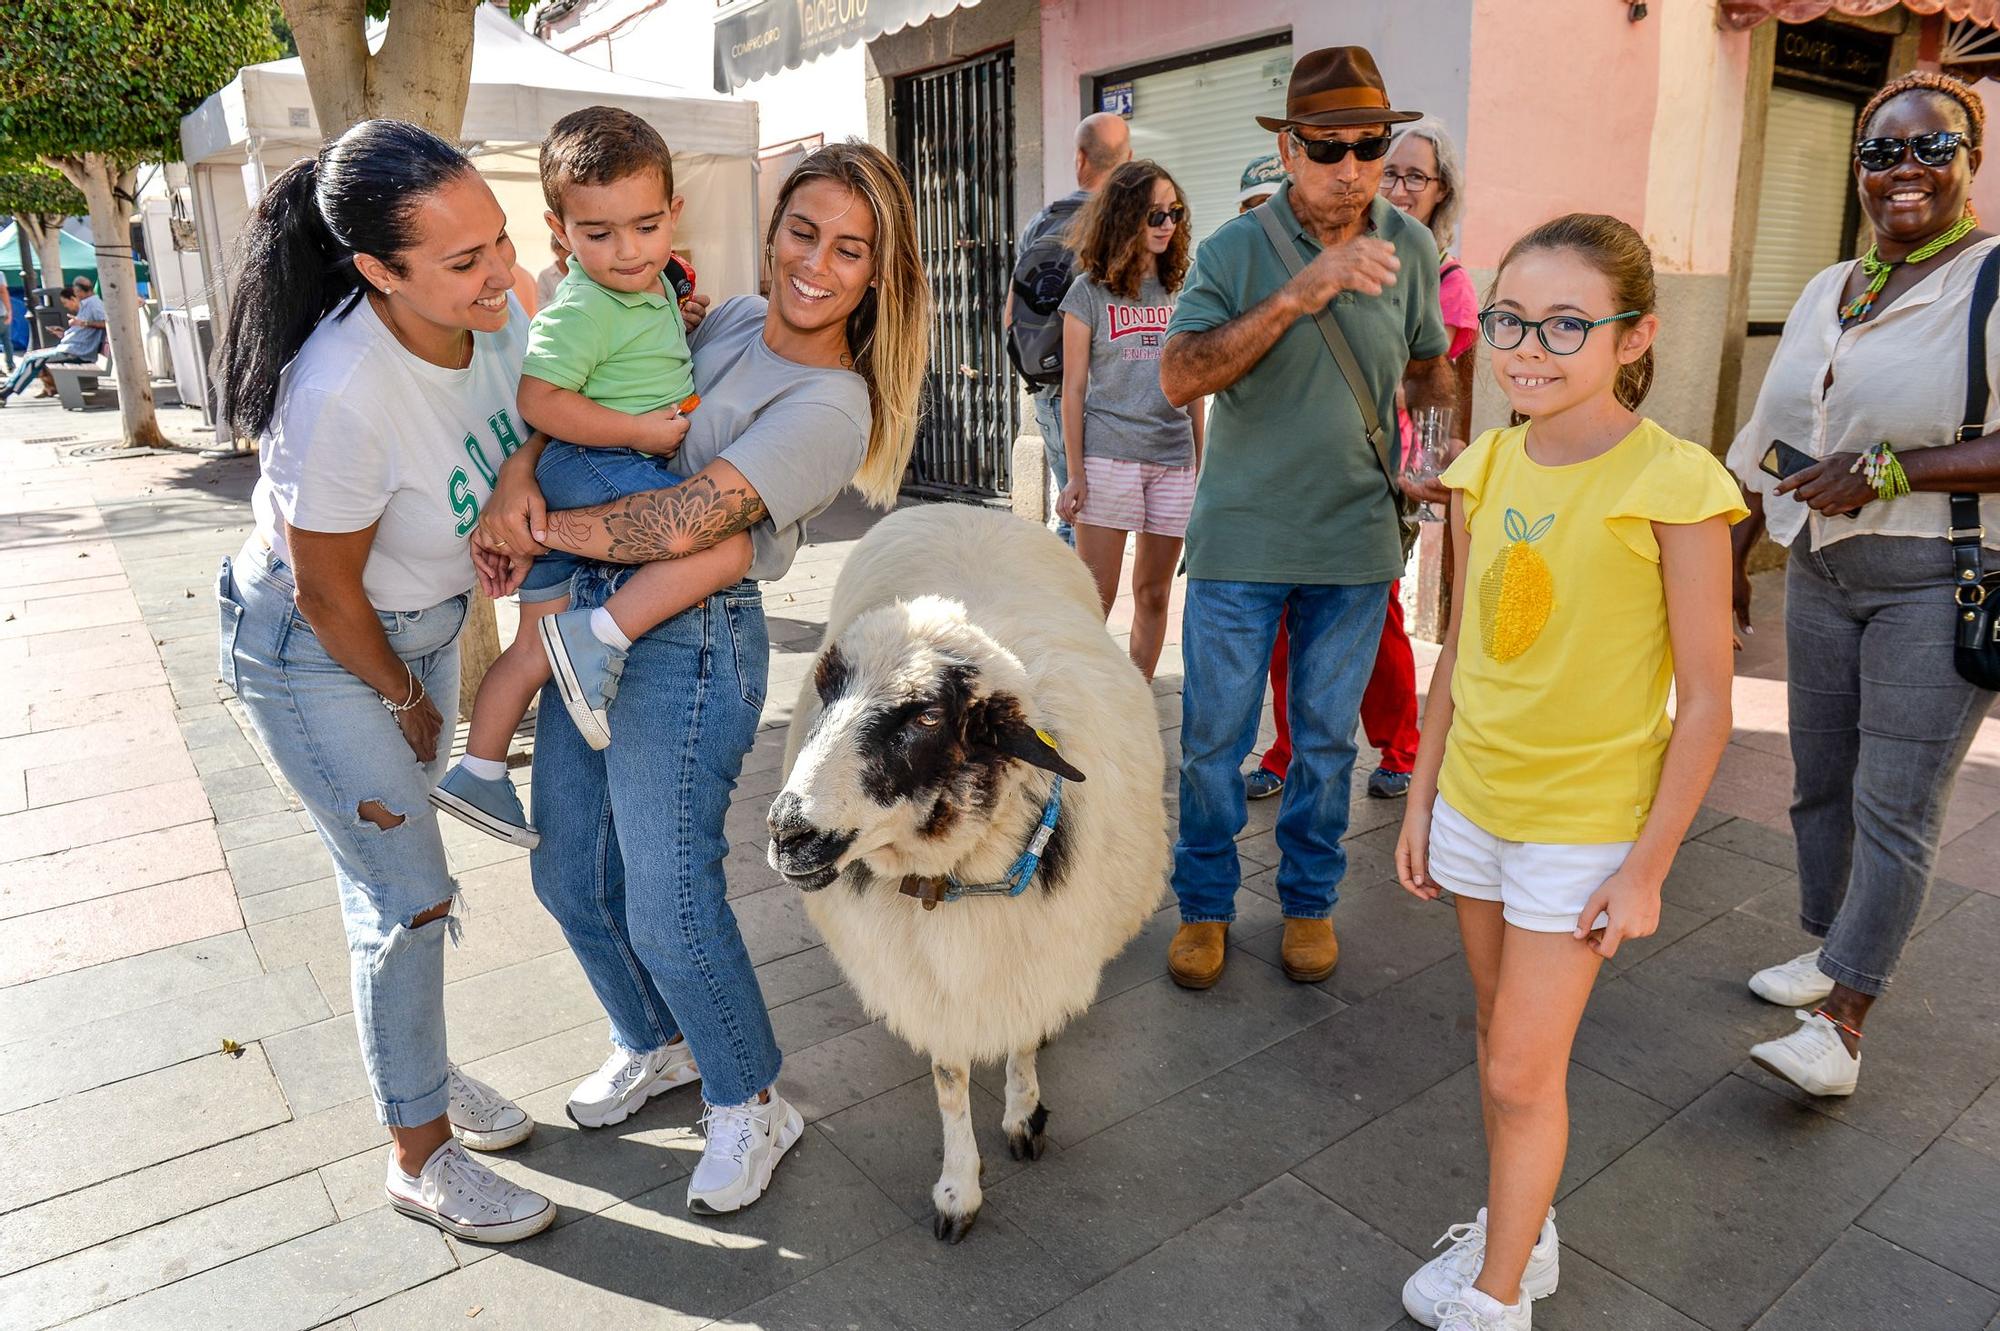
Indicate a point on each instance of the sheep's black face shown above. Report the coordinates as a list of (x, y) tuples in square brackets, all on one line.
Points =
[(900, 762)]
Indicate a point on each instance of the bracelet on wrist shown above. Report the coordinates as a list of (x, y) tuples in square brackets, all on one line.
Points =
[(1884, 473), (414, 695)]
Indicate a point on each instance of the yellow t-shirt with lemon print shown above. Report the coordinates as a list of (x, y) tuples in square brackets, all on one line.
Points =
[(1559, 695)]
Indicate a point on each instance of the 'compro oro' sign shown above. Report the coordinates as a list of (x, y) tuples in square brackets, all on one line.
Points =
[(764, 38)]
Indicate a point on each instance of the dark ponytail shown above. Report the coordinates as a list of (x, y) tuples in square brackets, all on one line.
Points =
[(295, 264)]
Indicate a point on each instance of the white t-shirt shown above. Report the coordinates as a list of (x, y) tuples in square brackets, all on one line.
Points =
[(366, 430)]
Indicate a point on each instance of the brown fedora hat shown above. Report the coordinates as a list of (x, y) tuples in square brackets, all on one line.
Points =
[(1337, 85)]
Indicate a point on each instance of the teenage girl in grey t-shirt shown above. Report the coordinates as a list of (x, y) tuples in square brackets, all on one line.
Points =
[(1133, 456)]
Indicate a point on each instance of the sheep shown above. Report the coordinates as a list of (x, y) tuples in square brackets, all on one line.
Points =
[(965, 668)]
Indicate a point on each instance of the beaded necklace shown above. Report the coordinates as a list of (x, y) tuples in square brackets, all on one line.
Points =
[(1877, 270)]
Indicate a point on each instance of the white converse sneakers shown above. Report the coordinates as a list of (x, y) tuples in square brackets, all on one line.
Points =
[(622, 1086), (1474, 1310), (1795, 983), (1812, 1058), (745, 1143), (1449, 1274), (481, 1117), (467, 1200)]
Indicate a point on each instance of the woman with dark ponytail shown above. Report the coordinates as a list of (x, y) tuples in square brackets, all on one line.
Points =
[(374, 352)]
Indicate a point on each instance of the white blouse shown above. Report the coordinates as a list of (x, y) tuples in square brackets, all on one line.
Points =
[(1897, 378)]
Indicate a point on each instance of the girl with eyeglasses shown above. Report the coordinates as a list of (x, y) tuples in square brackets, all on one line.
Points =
[(1869, 383), (1552, 790), (1132, 456)]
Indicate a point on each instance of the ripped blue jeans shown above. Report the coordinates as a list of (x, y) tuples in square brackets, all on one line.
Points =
[(346, 757)]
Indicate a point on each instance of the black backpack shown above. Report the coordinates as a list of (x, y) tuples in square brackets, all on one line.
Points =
[(1041, 280)]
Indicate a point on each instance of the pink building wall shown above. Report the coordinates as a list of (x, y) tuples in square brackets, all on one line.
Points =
[(1423, 48)]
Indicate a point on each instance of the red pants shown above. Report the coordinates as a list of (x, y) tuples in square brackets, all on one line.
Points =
[(1388, 707)]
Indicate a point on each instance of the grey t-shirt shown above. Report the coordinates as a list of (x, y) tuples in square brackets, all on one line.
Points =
[(797, 432), (1125, 415)]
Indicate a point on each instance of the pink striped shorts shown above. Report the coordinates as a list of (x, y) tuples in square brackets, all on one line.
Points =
[(1124, 495)]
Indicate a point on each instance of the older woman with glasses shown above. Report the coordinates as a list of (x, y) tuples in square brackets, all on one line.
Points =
[(1866, 394), (1422, 178)]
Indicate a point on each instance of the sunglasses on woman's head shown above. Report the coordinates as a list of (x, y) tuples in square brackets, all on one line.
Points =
[(1162, 216), (1561, 334), (1934, 149), (1328, 151)]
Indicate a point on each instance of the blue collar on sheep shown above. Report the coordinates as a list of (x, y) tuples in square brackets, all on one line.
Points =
[(930, 891)]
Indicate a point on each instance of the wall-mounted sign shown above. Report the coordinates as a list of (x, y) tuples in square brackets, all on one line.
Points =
[(1833, 53), (1116, 98)]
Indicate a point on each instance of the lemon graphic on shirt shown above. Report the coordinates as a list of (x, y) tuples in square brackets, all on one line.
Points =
[(1517, 591)]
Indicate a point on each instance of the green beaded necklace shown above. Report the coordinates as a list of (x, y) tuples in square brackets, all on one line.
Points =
[(1877, 271)]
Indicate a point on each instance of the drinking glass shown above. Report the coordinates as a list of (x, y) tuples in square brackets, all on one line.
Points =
[(1426, 461)]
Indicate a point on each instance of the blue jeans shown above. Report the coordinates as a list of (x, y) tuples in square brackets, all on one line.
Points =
[(572, 476), (1881, 722), (32, 363), (1226, 641), (1048, 414), (630, 862), (331, 737)]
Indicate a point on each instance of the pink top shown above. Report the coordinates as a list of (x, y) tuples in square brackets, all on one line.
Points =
[(1460, 305)]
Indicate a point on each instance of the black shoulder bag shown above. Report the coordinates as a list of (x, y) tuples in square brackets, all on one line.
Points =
[(1977, 590), (1350, 370)]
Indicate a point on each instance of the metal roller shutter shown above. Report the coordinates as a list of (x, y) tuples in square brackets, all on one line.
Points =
[(1802, 206), (1198, 122)]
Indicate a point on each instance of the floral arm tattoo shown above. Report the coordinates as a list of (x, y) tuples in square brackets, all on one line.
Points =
[(658, 524)]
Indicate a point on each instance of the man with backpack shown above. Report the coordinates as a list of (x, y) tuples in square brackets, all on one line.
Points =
[(1033, 313)]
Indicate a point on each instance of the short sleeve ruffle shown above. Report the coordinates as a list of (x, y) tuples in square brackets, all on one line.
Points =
[(1682, 485), (1468, 471)]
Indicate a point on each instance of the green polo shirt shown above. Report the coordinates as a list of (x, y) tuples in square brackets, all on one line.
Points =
[(1290, 489), (626, 350)]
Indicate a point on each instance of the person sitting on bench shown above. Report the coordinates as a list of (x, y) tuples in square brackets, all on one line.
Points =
[(83, 342)]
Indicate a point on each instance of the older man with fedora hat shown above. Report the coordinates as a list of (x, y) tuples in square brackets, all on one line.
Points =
[(1297, 512)]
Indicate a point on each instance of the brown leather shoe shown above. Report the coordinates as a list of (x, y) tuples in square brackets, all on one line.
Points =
[(1195, 956), (1310, 951)]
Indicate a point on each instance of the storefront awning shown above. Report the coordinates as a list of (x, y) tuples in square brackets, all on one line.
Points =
[(1749, 13), (783, 34)]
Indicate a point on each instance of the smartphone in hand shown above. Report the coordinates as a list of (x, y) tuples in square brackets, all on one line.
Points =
[(1783, 461)]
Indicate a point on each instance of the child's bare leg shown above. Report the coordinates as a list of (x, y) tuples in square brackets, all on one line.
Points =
[(511, 683), (1545, 980), (661, 590), (1481, 928)]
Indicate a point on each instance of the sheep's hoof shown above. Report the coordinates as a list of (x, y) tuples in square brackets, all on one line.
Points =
[(1028, 1141), (952, 1228)]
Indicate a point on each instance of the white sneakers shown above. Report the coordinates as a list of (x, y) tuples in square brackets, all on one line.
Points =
[(1812, 1058), (467, 1200), (1448, 1276), (1795, 983), (481, 1117), (622, 1086), (745, 1143), (1474, 1310)]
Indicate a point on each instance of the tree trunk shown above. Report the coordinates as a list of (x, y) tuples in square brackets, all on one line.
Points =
[(118, 285), (45, 229), (422, 74), (478, 649)]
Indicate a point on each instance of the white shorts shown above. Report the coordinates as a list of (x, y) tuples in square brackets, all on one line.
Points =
[(1540, 886)]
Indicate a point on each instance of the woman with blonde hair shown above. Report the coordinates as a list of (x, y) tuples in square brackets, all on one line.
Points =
[(804, 393), (1132, 454)]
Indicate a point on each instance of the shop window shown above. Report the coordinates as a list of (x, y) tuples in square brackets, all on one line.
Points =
[(1196, 117)]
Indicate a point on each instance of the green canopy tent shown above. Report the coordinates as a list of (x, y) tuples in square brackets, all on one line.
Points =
[(78, 259)]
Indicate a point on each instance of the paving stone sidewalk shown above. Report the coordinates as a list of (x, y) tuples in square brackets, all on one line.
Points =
[(1263, 1155)]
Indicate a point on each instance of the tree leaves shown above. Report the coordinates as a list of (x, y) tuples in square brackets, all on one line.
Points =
[(33, 188)]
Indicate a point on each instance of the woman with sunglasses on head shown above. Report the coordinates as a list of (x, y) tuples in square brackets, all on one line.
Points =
[(1869, 384), (1132, 455), (1552, 790)]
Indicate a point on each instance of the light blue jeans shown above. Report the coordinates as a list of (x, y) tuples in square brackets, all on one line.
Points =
[(1226, 639), (340, 748), (1048, 414), (630, 861)]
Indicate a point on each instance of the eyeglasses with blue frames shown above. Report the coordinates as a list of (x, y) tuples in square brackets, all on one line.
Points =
[(1933, 150), (1561, 334)]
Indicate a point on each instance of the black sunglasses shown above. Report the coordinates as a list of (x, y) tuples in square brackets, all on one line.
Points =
[(1162, 216), (1934, 149), (1328, 151)]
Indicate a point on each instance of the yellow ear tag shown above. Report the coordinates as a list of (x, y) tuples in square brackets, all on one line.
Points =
[(1048, 739)]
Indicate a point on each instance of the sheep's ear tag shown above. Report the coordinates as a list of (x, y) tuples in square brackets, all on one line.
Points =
[(1048, 739), (930, 891)]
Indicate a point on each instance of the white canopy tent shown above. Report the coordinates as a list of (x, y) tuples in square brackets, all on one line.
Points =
[(263, 121)]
